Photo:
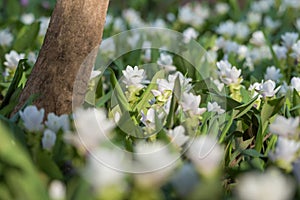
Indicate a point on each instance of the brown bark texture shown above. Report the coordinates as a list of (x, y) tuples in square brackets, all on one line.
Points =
[(67, 54)]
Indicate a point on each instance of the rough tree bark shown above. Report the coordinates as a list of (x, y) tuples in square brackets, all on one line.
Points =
[(75, 30)]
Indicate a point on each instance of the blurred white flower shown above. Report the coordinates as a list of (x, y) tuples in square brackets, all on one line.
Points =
[(262, 6), (165, 61), (148, 119), (215, 107), (177, 135), (254, 88), (190, 103), (270, 23), (133, 18), (55, 123), (101, 169), (206, 154), (189, 34), (48, 140), (32, 57), (226, 28), (6, 37), (133, 40), (12, 59), (295, 83), (94, 74), (171, 17), (108, 20), (272, 73), (219, 85), (242, 30), (230, 47), (134, 77), (289, 38), (155, 161), (280, 51), (285, 151), (192, 14), (258, 38), (163, 84), (119, 24), (92, 127), (222, 8), (27, 18), (57, 190), (32, 118), (44, 23), (298, 24), (159, 23), (267, 88), (296, 50), (270, 185), (227, 73), (108, 47), (254, 18), (284, 127)]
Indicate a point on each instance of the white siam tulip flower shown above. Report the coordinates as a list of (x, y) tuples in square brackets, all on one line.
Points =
[(254, 18), (285, 151), (284, 127), (227, 73), (298, 24), (92, 127), (289, 38), (157, 163), (177, 136), (148, 119), (165, 61), (270, 185), (192, 14), (164, 84), (219, 85), (55, 123), (243, 51), (48, 140), (171, 17), (258, 38), (133, 18), (254, 88), (231, 47), (12, 59), (295, 83), (267, 88), (296, 50), (119, 24), (32, 57), (32, 118), (215, 107), (271, 24), (6, 37), (134, 77), (280, 51), (27, 18), (262, 6), (206, 154), (159, 23), (44, 25), (190, 103), (100, 170), (189, 34), (242, 30), (108, 47), (133, 40), (57, 190), (272, 73), (108, 20), (94, 74)]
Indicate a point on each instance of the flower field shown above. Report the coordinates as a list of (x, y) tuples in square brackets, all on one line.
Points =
[(186, 100)]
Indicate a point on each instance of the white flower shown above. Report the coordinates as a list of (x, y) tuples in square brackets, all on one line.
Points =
[(255, 88), (222, 8), (289, 38), (254, 18), (270, 185), (155, 161), (227, 73), (267, 88), (119, 24), (27, 18), (226, 28), (206, 154), (32, 118), (190, 103), (32, 57), (165, 61), (272, 73), (92, 128), (219, 85), (280, 51), (101, 171), (285, 151), (215, 107), (134, 77), (6, 38), (57, 190), (231, 46), (108, 47), (258, 38), (298, 24), (55, 123), (189, 34), (261, 6), (284, 127), (193, 15), (296, 50), (271, 24), (177, 135), (44, 25), (94, 74), (295, 83), (133, 40), (12, 59), (48, 140), (164, 84), (133, 18), (149, 119), (242, 30)]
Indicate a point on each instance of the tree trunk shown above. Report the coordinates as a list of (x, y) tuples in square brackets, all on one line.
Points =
[(70, 48)]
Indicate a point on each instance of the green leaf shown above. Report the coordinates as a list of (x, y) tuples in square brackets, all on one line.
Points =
[(46, 164), (175, 97), (101, 102), (270, 108), (26, 37), (252, 153), (20, 176), (243, 109), (296, 103)]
